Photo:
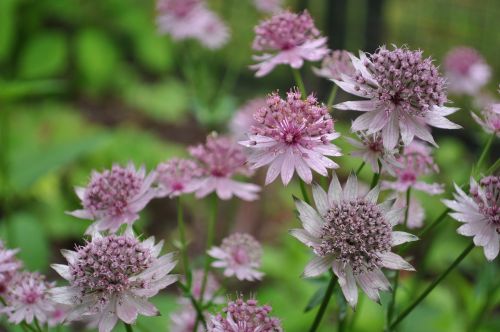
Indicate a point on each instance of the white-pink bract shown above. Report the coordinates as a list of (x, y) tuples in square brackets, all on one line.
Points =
[(466, 70), (115, 197), (191, 19), (417, 161), (352, 235), (177, 177), (371, 149), (243, 119), (239, 255), (244, 316), (405, 95), (489, 119), (220, 158), (269, 6), (292, 135), (111, 278), (416, 213), (184, 320), (480, 213), (9, 265), (27, 299), (336, 64), (290, 39)]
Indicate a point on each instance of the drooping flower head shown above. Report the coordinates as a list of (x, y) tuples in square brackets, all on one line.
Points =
[(405, 92), (336, 64), (191, 19), (480, 213), (239, 255), (112, 277), (490, 121), (115, 197), (466, 70), (351, 234), (244, 316), (177, 177), (290, 39), (220, 159), (417, 161), (9, 265), (292, 135), (243, 119), (27, 299)]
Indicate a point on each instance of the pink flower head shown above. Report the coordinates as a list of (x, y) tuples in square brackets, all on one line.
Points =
[(220, 159), (191, 19), (27, 299), (417, 161), (244, 316), (336, 64), (352, 235), (57, 316), (490, 121), (405, 92), (292, 135), (239, 255), (290, 38), (371, 149), (111, 278), (269, 6), (243, 119), (466, 70), (480, 213), (176, 177), (184, 320), (115, 197), (9, 265)]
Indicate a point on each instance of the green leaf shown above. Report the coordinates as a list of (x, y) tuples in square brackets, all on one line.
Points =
[(44, 55), (317, 297), (14, 90), (153, 52), (7, 27)]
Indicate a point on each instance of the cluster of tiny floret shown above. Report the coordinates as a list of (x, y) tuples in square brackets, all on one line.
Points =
[(489, 204), (175, 173), (28, 288), (178, 8), (417, 161), (8, 266), (336, 64), (461, 59), (243, 248)]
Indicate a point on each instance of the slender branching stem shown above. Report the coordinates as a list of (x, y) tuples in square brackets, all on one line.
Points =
[(324, 304)]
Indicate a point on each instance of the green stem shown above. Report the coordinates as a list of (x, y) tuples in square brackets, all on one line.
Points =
[(303, 190), (300, 82), (182, 235), (37, 325), (324, 304), (376, 177), (436, 222), (360, 168), (128, 327), (493, 167), (194, 303), (486, 149), (331, 97), (429, 289)]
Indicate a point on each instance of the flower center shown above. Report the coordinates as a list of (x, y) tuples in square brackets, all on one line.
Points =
[(31, 297), (487, 197)]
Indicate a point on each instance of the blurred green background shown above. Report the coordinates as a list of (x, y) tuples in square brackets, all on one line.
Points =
[(84, 84)]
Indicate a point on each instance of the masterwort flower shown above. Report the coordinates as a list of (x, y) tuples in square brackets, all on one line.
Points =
[(405, 92), (290, 38), (351, 234), (243, 118), (490, 121), (112, 277), (292, 135), (9, 265), (239, 255), (177, 177), (466, 70), (220, 159), (336, 64), (480, 213), (184, 320), (269, 6), (244, 316)]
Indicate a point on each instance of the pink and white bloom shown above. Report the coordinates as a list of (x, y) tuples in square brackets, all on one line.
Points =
[(177, 177), (239, 255), (405, 95), (9, 266), (244, 316), (466, 70), (489, 119), (184, 320), (292, 135), (27, 299), (112, 278), (220, 159), (243, 119), (287, 38), (416, 161), (269, 6), (191, 19), (336, 64), (352, 235), (480, 213)]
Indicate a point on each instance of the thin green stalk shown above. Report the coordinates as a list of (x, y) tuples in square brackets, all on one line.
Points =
[(360, 168), (37, 325), (300, 82), (376, 177), (486, 149), (331, 97), (182, 235), (429, 289), (128, 327), (324, 304), (436, 222), (194, 303), (303, 190), (494, 167)]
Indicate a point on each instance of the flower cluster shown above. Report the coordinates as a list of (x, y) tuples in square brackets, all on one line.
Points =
[(268, 6), (177, 176), (9, 265), (466, 70), (490, 119)]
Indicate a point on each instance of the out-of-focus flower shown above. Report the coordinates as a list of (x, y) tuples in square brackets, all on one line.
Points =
[(351, 234), (405, 92), (191, 19), (239, 255), (417, 161), (489, 119), (184, 320), (220, 159), (57, 316), (211, 287), (479, 213), (9, 265), (371, 149), (115, 197), (240, 315), (269, 6), (290, 38), (292, 135), (177, 177), (416, 213), (112, 278), (27, 299), (336, 64), (243, 119), (466, 70)]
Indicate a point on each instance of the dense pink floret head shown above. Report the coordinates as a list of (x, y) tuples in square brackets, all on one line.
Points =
[(243, 249), (488, 199), (461, 59)]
